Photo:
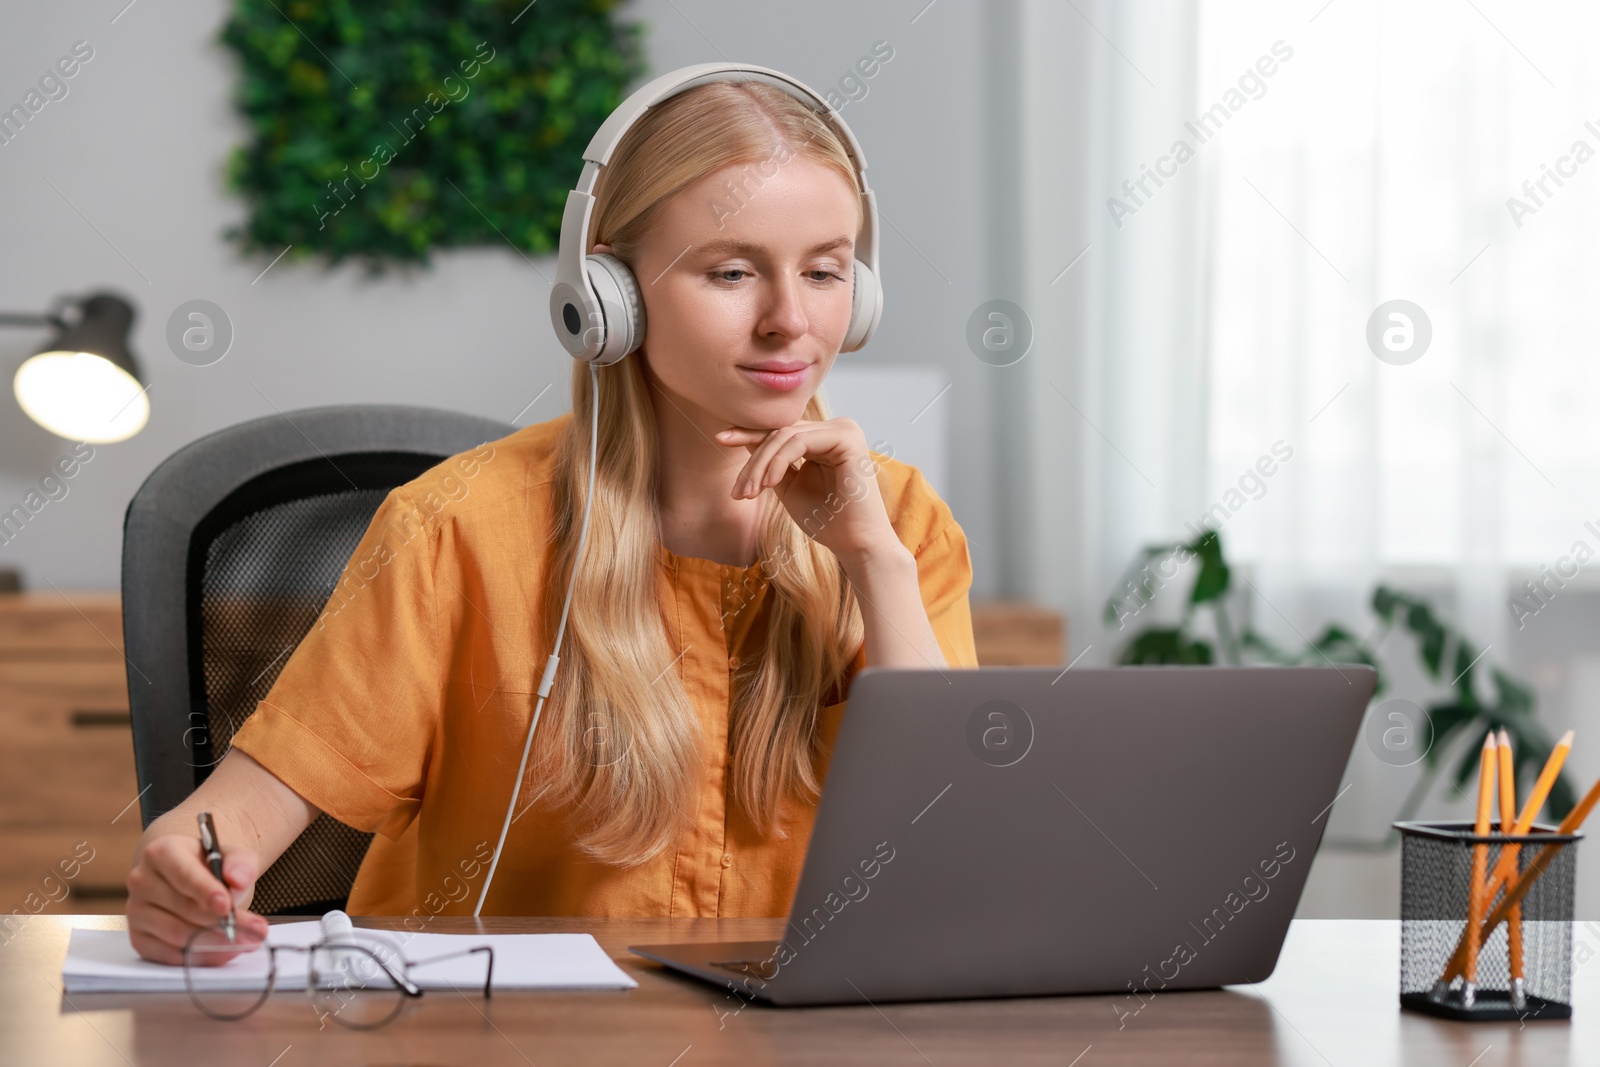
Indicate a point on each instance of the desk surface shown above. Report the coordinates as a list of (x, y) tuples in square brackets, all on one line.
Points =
[(1331, 1002)]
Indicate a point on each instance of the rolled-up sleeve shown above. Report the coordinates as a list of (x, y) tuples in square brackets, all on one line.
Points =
[(944, 572)]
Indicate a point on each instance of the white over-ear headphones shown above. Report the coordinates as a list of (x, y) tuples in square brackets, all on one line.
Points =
[(595, 304)]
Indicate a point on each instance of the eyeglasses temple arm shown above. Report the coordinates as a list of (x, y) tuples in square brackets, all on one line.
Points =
[(488, 979)]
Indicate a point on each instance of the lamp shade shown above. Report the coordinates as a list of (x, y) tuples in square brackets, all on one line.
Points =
[(84, 385)]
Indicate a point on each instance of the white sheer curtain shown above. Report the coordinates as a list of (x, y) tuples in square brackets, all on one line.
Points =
[(1230, 313), (1377, 165)]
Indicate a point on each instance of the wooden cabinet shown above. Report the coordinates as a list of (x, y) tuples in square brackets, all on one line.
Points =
[(69, 817), (1014, 634)]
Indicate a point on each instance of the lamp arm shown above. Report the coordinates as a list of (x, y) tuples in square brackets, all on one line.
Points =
[(9, 318)]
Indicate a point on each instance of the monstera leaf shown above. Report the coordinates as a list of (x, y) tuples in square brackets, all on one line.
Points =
[(1465, 717)]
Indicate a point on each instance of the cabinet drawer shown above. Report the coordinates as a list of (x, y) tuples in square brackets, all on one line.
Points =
[(67, 755), (76, 626), (67, 870)]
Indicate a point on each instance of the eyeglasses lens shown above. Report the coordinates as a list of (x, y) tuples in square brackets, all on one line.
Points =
[(355, 984), (230, 992)]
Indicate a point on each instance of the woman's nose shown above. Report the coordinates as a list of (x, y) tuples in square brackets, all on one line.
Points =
[(783, 313)]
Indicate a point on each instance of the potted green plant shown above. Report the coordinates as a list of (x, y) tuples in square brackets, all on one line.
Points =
[(1460, 715)]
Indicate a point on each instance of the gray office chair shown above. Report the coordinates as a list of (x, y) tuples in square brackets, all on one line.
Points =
[(230, 549)]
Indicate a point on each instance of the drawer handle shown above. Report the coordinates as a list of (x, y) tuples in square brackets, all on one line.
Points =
[(83, 718), (99, 892)]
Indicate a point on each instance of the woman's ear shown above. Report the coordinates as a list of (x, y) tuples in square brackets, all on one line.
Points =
[(602, 247)]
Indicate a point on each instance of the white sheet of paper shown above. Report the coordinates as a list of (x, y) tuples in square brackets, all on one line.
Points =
[(521, 961), (103, 961)]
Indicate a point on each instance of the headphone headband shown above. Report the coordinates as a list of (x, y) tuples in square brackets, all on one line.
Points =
[(609, 135), (586, 316)]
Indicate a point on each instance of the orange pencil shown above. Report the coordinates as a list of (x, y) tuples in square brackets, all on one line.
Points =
[(1502, 872), (1530, 811), (1480, 869), (1508, 823), (1519, 887)]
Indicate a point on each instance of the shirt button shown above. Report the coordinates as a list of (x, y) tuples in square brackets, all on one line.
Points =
[(727, 860)]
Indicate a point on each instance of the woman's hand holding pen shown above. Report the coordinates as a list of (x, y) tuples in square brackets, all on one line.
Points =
[(171, 892)]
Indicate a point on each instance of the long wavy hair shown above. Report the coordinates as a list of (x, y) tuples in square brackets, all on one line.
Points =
[(623, 746)]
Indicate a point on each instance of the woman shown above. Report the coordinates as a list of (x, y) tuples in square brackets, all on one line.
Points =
[(746, 555)]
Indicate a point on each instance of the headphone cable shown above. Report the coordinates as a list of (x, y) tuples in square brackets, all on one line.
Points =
[(548, 680)]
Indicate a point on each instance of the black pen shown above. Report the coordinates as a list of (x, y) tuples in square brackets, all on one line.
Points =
[(208, 844)]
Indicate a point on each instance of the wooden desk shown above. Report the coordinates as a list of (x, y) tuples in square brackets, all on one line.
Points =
[(1332, 1001)]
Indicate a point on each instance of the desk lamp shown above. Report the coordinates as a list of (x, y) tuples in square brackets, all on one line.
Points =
[(84, 383)]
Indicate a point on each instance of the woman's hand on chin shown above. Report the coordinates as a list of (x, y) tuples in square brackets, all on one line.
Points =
[(826, 478)]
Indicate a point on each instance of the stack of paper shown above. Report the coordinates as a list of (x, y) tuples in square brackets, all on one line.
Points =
[(103, 961)]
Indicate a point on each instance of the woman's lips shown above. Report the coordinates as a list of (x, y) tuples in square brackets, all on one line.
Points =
[(782, 381)]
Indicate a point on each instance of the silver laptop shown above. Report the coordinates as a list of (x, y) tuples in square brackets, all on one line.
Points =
[(1021, 831)]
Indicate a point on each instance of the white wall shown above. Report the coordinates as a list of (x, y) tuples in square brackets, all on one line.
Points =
[(119, 185)]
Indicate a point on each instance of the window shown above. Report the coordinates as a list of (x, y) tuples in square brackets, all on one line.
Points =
[(1441, 153)]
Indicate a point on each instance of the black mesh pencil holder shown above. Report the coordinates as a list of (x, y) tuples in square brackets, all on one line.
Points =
[(1436, 869)]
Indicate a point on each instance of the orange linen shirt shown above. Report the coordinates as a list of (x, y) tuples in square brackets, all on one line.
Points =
[(404, 710)]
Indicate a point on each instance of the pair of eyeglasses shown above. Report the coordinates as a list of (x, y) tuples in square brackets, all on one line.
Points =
[(361, 980)]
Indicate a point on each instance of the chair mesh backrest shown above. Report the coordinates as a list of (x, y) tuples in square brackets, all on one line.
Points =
[(261, 566)]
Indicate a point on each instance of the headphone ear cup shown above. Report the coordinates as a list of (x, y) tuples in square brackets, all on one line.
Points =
[(621, 305), (866, 307)]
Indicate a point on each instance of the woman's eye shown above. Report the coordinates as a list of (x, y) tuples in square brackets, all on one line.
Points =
[(818, 275)]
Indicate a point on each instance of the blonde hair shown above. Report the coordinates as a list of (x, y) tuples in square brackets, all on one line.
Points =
[(623, 743)]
